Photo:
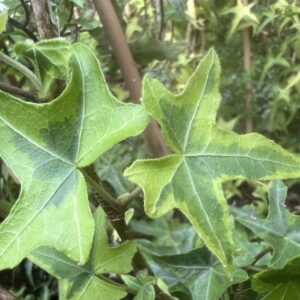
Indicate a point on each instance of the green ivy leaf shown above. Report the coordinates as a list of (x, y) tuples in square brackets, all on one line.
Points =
[(204, 157), (168, 236), (87, 281), (49, 57), (242, 14), (45, 145), (143, 284), (279, 284), (280, 228), (246, 249), (197, 273)]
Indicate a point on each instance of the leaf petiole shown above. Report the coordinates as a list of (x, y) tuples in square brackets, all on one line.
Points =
[(21, 68)]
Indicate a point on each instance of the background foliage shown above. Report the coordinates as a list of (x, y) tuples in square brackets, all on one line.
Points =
[(167, 39)]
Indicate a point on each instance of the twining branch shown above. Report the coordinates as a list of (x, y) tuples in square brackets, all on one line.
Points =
[(23, 26)]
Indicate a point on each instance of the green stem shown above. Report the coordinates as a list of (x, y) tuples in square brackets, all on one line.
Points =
[(127, 198), (21, 68), (108, 280), (99, 188)]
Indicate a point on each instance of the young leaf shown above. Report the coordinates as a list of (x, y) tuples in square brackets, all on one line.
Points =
[(45, 145), (279, 228), (143, 284), (204, 156), (242, 12), (279, 284), (86, 282), (197, 272), (49, 57)]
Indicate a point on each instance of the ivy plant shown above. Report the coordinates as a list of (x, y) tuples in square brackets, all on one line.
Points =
[(46, 145), (87, 281), (203, 157), (51, 148)]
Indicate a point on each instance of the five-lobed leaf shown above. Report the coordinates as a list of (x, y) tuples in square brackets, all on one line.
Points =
[(197, 273), (203, 157), (280, 228), (85, 282), (45, 145)]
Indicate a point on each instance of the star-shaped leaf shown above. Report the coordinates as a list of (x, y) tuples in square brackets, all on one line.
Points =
[(242, 12), (45, 145), (280, 228), (279, 284), (204, 156), (197, 273), (87, 281)]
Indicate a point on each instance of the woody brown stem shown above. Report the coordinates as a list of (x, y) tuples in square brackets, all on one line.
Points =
[(116, 37), (43, 20), (248, 85)]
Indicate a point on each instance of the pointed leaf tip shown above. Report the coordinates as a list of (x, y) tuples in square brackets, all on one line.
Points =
[(205, 156)]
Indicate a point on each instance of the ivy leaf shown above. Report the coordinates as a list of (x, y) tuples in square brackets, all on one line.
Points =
[(87, 281), (143, 284), (49, 57), (280, 228), (246, 249), (279, 284), (45, 145), (197, 273), (242, 12), (204, 156), (168, 236)]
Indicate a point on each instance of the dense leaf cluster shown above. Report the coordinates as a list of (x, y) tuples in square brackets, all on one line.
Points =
[(87, 187)]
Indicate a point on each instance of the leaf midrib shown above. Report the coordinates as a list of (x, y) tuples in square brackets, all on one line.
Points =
[(197, 106), (191, 155)]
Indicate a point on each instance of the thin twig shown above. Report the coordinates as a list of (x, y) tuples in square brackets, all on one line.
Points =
[(261, 254), (18, 25), (27, 14), (257, 257), (65, 27)]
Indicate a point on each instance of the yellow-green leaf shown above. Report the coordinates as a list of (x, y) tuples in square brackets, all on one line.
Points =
[(203, 157), (87, 282), (45, 145)]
